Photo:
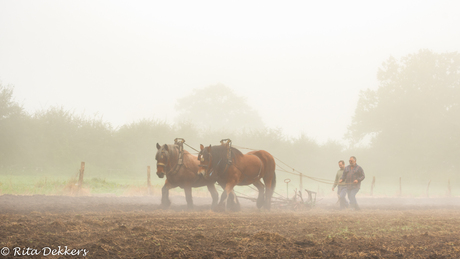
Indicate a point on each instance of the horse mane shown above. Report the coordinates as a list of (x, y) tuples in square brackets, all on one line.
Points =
[(219, 154), (173, 152), (189, 160), (173, 158)]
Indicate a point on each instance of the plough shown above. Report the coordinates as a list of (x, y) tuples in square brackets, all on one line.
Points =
[(296, 202)]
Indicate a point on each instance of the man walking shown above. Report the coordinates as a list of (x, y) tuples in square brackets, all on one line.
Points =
[(338, 176), (353, 174)]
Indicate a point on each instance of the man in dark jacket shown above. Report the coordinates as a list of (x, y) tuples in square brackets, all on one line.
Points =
[(352, 175), (338, 176)]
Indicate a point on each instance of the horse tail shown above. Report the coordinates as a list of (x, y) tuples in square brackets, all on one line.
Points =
[(272, 168), (271, 176), (269, 168)]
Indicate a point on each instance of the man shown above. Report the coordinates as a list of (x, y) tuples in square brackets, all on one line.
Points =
[(352, 175), (338, 176)]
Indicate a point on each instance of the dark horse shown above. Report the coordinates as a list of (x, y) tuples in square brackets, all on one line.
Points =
[(229, 167), (183, 175)]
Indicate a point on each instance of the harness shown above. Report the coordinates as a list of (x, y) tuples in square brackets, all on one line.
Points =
[(228, 143), (178, 142)]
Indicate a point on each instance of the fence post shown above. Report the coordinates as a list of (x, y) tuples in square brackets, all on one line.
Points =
[(449, 191), (372, 185), (301, 185), (80, 176), (427, 193), (400, 187), (149, 185), (287, 187)]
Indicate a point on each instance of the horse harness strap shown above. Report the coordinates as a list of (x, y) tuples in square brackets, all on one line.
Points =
[(175, 170), (179, 143), (229, 155)]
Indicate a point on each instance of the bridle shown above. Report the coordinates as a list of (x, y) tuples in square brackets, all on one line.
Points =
[(201, 158), (163, 154), (226, 142), (179, 142)]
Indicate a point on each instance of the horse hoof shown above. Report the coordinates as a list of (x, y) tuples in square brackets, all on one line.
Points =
[(234, 207), (164, 206), (219, 208)]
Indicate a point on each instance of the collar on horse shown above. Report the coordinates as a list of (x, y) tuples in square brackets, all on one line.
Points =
[(228, 143), (179, 142)]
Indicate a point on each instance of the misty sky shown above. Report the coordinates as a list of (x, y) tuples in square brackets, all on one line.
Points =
[(301, 64)]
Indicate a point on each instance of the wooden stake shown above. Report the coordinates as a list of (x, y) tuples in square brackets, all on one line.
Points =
[(427, 193), (301, 186), (80, 176), (400, 187), (287, 187), (149, 185), (372, 185)]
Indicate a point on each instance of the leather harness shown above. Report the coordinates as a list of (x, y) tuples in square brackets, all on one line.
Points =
[(178, 142), (228, 143)]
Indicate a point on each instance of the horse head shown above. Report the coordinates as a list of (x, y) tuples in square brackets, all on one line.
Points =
[(162, 158), (205, 158)]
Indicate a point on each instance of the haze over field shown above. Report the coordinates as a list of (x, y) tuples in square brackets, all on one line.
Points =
[(104, 81), (300, 65)]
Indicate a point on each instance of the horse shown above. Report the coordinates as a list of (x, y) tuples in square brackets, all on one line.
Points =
[(229, 167), (181, 173)]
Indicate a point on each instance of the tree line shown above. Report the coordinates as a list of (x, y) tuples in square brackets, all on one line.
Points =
[(57, 139), (410, 121)]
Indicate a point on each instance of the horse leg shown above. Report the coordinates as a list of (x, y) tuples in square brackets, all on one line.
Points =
[(260, 199), (214, 195), (270, 184), (223, 200), (188, 197), (224, 197), (165, 202), (232, 202)]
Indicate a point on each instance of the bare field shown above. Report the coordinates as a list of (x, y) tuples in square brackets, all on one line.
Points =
[(134, 227)]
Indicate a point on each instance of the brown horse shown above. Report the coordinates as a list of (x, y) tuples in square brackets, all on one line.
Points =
[(229, 167), (183, 175)]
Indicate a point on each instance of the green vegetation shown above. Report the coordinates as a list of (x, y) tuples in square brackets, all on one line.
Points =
[(411, 120)]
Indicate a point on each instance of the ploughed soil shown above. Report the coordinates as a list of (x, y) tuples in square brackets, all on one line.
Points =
[(135, 227)]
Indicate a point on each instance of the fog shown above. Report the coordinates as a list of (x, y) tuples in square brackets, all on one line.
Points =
[(300, 65), (315, 79)]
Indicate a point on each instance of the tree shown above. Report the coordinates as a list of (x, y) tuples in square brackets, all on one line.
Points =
[(8, 107), (13, 123), (135, 142), (217, 107), (414, 114)]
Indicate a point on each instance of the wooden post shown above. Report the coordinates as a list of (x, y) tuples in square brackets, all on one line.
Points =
[(372, 185), (301, 185), (427, 193), (149, 185), (400, 187), (287, 187), (449, 191), (80, 176)]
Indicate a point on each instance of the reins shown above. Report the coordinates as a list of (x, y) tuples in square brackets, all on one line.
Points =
[(179, 142), (228, 143)]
